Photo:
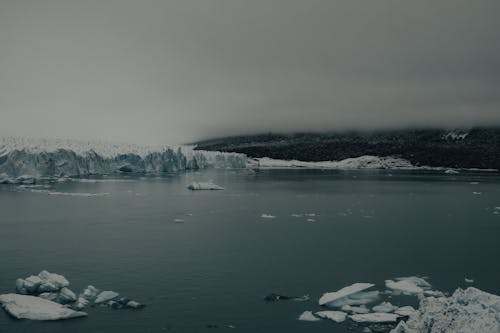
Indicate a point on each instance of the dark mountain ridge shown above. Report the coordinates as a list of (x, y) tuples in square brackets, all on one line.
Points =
[(464, 148)]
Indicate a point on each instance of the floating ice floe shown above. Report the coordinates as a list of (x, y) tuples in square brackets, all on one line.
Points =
[(267, 216), (405, 311), (385, 307), (342, 294), (105, 296), (468, 280), (36, 308), (308, 316), (412, 285), (359, 298), (375, 317), (466, 311), (451, 172), (355, 309), (204, 186), (336, 316)]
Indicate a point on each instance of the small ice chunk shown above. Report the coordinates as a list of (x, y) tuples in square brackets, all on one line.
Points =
[(384, 307), (412, 285), (308, 316), (405, 311), (28, 286), (178, 221), (134, 305), (296, 215), (90, 292), (52, 296), (451, 172), (267, 216), (477, 193), (36, 308), (81, 303), (355, 309), (204, 186), (311, 220), (336, 316), (105, 296), (433, 293), (346, 291), (66, 296), (376, 317), (467, 280), (50, 280)]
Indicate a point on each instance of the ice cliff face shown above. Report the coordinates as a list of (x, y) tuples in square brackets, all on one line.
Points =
[(57, 158)]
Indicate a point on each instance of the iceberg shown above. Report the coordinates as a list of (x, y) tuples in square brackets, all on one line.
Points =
[(336, 316), (204, 186), (308, 316), (375, 317), (344, 292), (267, 216), (36, 308), (469, 310)]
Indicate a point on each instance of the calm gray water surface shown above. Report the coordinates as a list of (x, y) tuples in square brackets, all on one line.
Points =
[(216, 266)]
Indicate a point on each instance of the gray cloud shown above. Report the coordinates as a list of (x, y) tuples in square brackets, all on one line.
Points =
[(155, 71)]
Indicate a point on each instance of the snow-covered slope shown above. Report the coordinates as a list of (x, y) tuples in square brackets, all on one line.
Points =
[(56, 158), (361, 162)]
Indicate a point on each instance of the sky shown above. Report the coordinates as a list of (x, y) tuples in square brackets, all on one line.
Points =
[(175, 71)]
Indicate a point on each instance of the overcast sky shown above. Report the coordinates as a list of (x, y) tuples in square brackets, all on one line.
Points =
[(163, 71)]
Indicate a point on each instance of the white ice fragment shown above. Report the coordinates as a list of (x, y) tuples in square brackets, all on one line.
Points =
[(90, 292), (468, 280), (336, 316), (51, 296), (359, 298), (52, 279), (81, 303), (451, 172), (408, 285), (405, 311), (178, 220), (134, 305), (376, 317), (346, 291), (204, 186), (267, 216), (433, 293), (36, 308), (311, 220), (384, 307), (308, 316), (66, 296), (355, 309), (105, 296), (28, 286)]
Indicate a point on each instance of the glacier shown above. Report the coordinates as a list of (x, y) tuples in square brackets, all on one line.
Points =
[(23, 160)]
